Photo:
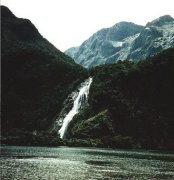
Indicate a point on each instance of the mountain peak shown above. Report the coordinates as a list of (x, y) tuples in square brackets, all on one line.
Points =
[(161, 21), (122, 30), (123, 23), (125, 41), (6, 13), (23, 29)]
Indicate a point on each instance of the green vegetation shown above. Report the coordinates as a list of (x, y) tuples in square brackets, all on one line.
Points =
[(131, 104), (139, 100), (28, 138), (36, 77)]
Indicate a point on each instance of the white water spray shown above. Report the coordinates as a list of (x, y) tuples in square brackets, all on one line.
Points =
[(78, 102)]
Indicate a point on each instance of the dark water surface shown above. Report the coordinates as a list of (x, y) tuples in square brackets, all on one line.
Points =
[(37, 163)]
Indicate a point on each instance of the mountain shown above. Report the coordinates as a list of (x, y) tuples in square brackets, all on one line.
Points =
[(131, 105), (36, 79), (125, 41)]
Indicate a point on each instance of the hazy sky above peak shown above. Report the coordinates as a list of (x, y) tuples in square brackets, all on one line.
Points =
[(67, 23)]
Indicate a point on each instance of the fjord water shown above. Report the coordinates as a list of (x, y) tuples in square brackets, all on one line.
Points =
[(78, 102), (37, 163)]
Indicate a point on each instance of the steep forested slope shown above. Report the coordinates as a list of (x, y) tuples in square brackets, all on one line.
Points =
[(131, 105), (36, 77)]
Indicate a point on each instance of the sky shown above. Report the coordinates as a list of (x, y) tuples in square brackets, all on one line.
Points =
[(68, 23)]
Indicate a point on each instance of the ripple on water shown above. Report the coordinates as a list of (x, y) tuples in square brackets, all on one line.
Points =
[(82, 163)]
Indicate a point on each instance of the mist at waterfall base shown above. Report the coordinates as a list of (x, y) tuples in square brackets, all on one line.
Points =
[(79, 101)]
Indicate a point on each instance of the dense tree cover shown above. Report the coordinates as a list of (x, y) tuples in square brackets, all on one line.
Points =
[(131, 104), (139, 100), (36, 77)]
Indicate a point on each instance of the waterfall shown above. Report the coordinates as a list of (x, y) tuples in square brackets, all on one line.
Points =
[(78, 103)]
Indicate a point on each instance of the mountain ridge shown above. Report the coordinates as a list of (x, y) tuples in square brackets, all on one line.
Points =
[(36, 78), (161, 20), (125, 41)]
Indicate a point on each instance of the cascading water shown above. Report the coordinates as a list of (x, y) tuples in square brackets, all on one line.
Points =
[(78, 103)]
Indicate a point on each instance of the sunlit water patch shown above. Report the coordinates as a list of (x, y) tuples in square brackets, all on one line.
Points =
[(37, 163)]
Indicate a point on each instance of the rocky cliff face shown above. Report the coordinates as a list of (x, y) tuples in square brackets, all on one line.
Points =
[(125, 41), (155, 37)]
